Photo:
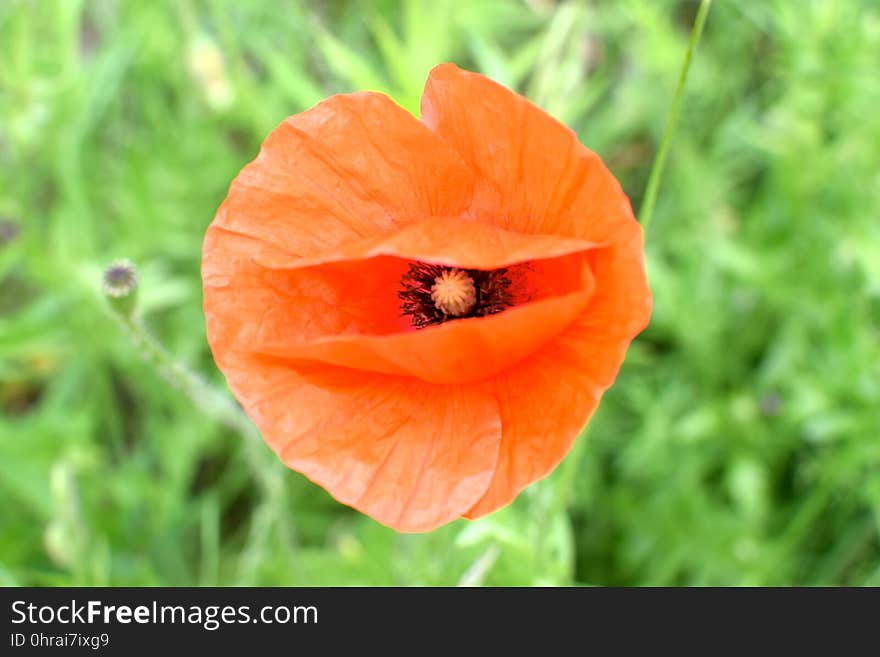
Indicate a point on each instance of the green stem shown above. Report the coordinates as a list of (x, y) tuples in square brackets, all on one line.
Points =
[(647, 209), (569, 470), (209, 400), (212, 402), (216, 404)]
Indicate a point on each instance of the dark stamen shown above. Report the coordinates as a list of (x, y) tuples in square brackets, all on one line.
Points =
[(493, 293)]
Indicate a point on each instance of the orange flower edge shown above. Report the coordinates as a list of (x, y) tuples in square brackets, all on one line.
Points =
[(421, 315)]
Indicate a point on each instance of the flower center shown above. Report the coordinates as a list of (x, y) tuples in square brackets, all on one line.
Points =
[(454, 293), (433, 294)]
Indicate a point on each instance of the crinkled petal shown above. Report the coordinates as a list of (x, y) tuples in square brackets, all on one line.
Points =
[(352, 167), (451, 241), (411, 455), (532, 174), (547, 399)]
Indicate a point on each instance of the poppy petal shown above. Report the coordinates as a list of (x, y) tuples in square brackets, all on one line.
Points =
[(353, 166), (451, 241), (411, 455), (532, 174), (548, 398)]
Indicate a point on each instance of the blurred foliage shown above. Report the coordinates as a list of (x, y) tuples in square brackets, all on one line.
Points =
[(740, 443)]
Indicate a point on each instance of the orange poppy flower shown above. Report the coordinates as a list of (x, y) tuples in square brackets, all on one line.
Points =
[(421, 315)]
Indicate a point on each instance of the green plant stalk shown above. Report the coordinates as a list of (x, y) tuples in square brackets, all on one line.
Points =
[(210, 401), (569, 470), (647, 209), (216, 404)]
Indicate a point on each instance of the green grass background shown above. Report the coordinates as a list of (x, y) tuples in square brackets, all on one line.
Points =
[(740, 444)]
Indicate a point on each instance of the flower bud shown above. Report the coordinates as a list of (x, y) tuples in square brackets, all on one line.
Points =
[(119, 283), (8, 231)]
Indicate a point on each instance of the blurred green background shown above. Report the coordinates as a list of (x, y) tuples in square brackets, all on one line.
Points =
[(740, 443)]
